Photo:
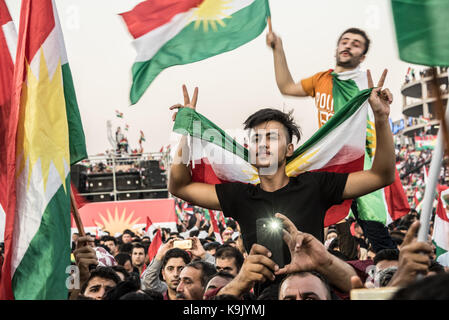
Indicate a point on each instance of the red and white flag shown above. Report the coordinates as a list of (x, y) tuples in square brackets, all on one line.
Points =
[(8, 47), (155, 244)]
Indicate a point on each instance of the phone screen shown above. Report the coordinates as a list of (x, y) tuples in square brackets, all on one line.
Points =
[(269, 235)]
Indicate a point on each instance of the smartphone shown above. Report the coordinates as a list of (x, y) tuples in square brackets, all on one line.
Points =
[(269, 235), (182, 244)]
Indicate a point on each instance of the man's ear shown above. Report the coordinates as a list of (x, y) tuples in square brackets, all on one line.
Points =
[(362, 58), (290, 150)]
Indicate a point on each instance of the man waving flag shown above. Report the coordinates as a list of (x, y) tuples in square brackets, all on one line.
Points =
[(45, 138), (175, 32)]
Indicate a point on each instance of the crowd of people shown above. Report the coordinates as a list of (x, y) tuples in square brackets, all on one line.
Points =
[(199, 262), (125, 267)]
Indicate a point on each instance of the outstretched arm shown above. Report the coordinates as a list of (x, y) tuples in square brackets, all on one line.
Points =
[(180, 182), (284, 79), (382, 172)]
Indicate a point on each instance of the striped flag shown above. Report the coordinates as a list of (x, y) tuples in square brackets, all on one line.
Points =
[(440, 236), (178, 212), (177, 32), (338, 146), (214, 223), (8, 47), (155, 244), (48, 134)]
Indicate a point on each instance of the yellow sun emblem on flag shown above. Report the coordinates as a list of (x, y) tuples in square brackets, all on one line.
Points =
[(42, 132), (211, 12), (296, 166), (118, 223)]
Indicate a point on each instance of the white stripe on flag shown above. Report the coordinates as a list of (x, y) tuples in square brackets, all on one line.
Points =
[(2, 224), (150, 43), (9, 30)]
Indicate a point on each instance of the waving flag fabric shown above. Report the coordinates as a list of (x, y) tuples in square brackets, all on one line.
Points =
[(46, 127), (440, 235), (176, 32), (338, 146), (8, 46)]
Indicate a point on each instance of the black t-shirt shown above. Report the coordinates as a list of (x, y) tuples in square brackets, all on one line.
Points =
[(304, 200)]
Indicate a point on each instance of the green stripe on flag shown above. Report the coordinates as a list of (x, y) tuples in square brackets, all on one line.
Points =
[(41, 272), (351, 107), (422, 31), (185, 124), (77, 139), (371, 207), (193, 44)]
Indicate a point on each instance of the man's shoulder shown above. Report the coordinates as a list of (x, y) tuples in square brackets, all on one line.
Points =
[(323, 74)]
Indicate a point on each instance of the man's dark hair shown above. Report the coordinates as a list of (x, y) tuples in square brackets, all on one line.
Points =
[(222, 274), (269, 114), (127, 231), (211, 245), (101, 272), (109, 238), (207, 269), (386, 254), (126, 248), (359, 32), (121, 258), (225, 252), (428, 288), (316, 274), (436, 267), (121, 269), (138, 246), (175, 253)]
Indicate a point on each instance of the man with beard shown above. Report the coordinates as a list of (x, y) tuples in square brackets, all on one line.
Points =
[(193, 280), (352, 47), (331, 89), (168, 263)]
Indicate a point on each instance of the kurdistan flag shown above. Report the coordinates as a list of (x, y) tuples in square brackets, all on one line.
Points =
[(176, 32), (440, 235), (422, 31), (48, 135), (338, 146)]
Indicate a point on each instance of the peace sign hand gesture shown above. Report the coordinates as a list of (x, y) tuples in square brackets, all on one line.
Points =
[(187, 102), (379, 99)]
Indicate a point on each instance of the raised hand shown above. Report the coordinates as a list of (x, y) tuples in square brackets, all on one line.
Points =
[(380, 99), (307, 252), (273, 41), (187, 102)]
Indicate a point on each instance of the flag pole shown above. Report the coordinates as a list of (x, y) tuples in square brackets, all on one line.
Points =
[(76, 214), (435, 165)]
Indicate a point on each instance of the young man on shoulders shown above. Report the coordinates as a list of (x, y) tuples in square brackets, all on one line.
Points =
[(303, 199)]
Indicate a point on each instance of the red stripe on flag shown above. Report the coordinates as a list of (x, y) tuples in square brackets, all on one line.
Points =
[(5, 17), (441, 210), (203, 172), (6, 78), (396, 199), (338, 212), (149, 223), (151, 14), (39, 23), (155, 244)]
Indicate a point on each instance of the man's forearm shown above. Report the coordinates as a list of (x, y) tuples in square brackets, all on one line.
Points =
[(179, 171), (284, 78), (338, 273)]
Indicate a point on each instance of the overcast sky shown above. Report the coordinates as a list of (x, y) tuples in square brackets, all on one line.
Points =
[(232, 85)]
